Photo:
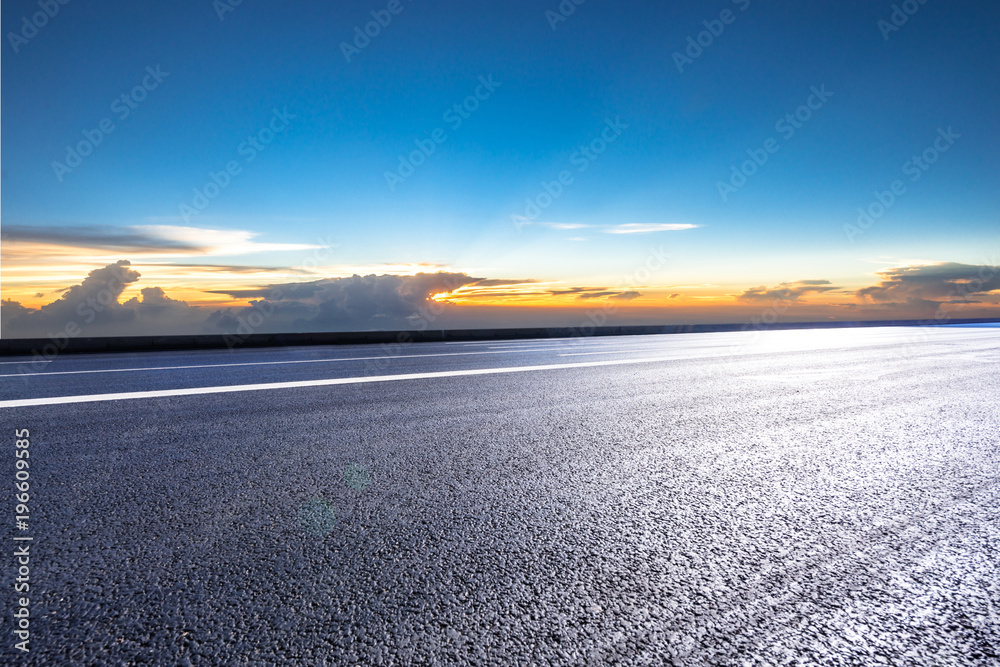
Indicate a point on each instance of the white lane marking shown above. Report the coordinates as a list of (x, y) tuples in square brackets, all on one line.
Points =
[(513, 347), (271, 363), (195, 391), (519, 341), (28, 361), (580, 354)]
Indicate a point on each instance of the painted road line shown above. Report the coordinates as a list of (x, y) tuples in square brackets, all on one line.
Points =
[(580, 354), (271, 363), (519, 341), (196, 391)]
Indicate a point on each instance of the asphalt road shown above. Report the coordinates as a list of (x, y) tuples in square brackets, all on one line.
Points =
[(789, 497)]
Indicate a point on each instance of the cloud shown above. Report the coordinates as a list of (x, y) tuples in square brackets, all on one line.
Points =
[(156, 240), (932, 284), (629, 228), (620, 296), (647, 228), (495, 290), (596, 293), (565, 225), (153, 302), (552, 225), (350, 303), (226, 268), (93, 308), (499, 282), (283, 291), (334, 304), (576, 290), (218, 241), (97, 307), (10, 311), (785, 291), (104, 237), (95, 300)]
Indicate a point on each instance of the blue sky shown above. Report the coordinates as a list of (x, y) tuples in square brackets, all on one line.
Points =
[(324, 175)]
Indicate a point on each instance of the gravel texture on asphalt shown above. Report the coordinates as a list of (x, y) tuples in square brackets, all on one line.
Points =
[(777, 499)]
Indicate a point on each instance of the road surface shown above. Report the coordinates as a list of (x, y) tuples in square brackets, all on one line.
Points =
[(824, 496)]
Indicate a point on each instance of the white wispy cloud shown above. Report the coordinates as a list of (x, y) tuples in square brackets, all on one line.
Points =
[(218, 241), (553, 225), (647, 228), (627, 228), (566, 225)]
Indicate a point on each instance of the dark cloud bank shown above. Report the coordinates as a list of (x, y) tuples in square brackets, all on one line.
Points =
[(918, 291), (94, 236), (355, 303), (387, 302), (930, 286), (786, 291)]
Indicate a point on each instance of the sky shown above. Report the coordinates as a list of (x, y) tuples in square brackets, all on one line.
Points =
[(411, 163)]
